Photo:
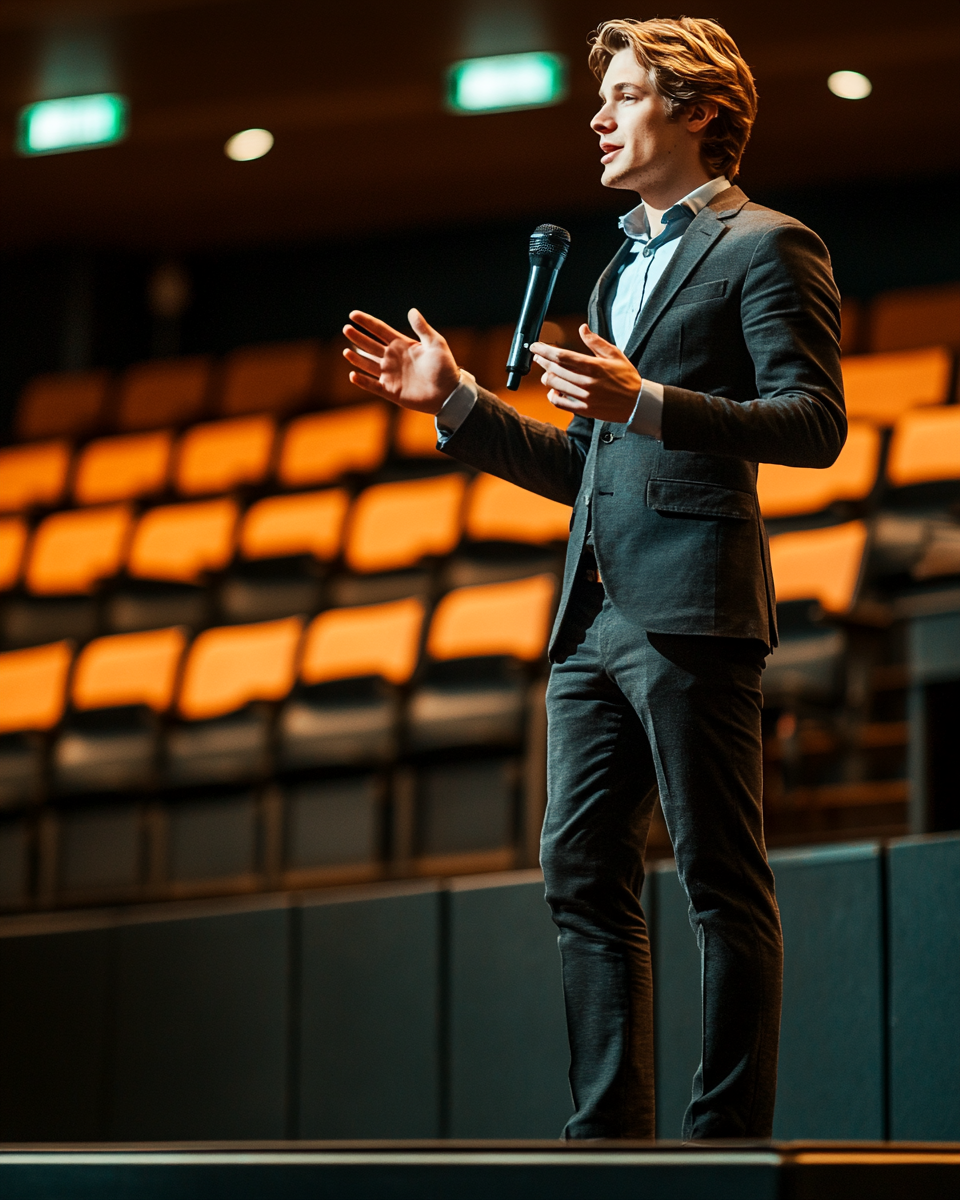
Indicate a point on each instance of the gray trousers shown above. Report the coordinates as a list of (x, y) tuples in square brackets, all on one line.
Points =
[(631, 714)]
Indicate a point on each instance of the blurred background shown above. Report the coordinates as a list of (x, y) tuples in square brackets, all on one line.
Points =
[(271, 668)]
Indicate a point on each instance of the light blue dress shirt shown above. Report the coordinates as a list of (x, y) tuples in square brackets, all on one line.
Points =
[(649, 258)]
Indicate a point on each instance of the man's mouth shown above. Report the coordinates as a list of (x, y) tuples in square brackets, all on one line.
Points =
[(608, 150)]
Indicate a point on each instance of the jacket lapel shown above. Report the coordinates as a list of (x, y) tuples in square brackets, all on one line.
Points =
[(700, 238), (599, 307)]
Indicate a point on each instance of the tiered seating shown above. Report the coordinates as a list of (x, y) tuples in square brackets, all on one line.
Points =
[(311, 632)]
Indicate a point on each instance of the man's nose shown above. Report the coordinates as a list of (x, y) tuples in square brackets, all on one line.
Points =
[(603, 122)]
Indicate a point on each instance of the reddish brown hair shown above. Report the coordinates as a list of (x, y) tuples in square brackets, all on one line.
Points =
[(690, 59)]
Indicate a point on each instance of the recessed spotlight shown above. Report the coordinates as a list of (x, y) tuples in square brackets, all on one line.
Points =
[(249, 144), (850, 85)]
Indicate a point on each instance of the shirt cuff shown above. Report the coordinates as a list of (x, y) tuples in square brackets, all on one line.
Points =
[(458, 405), (647, 415)]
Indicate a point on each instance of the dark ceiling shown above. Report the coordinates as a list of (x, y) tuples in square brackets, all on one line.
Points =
[(354, 96)]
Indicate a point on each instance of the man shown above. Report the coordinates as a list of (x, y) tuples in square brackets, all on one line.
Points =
[(713, 345)]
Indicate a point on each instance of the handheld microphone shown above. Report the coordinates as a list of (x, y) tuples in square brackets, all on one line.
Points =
[(548, 248)]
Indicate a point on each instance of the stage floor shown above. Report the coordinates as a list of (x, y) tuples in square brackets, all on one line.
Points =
[(482, 1171)]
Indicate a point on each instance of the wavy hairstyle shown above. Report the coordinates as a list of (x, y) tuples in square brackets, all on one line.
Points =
[(689, 59)]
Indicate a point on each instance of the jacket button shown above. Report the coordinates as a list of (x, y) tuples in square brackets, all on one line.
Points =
[(606, 436)]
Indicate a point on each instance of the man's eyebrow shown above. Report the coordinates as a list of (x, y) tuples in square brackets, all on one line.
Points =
[(620, 86)]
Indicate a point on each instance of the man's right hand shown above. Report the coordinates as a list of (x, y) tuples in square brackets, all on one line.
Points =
[(418, 374)]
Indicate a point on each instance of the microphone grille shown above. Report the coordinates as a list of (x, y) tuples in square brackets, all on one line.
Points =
[(548, 241)]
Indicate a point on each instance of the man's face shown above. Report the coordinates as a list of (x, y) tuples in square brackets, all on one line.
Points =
[(638, 144)]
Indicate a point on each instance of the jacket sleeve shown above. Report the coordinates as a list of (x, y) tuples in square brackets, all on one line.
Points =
[(532, 454), (790, 313)]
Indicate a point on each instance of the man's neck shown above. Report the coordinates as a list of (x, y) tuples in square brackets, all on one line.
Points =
[(658, 198)]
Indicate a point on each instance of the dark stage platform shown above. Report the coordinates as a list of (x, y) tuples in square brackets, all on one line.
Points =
[(482, 1171)]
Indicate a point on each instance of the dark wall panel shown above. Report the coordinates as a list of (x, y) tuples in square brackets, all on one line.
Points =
[(676, 982), (369, 1004), (924, 933), (201, 1028), (831, 1082), (507, 1043), (54, 1010)]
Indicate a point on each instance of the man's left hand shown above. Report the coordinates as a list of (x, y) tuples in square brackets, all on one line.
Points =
[(604, 385)]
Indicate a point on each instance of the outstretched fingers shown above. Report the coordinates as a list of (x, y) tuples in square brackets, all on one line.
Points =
[(363, 342), (367, 364), (379, 329), (369, 384)]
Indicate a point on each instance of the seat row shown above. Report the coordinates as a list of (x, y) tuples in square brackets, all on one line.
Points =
[(133, 711)]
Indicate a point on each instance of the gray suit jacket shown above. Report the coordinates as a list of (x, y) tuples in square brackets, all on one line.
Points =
[(743, 330)]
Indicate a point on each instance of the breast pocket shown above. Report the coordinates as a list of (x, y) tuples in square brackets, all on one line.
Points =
[(716, 289), (690, 498)]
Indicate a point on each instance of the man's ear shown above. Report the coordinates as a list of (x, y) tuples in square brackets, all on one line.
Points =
[(699, 115)]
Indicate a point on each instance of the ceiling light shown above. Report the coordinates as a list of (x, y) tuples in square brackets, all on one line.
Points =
[(249, 144), (72, 123), (850, 85), (506, 81)]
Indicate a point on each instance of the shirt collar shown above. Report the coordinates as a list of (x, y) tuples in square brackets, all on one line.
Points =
[(636, 226)]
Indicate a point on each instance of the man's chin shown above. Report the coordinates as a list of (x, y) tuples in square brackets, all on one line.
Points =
[(616, 179)]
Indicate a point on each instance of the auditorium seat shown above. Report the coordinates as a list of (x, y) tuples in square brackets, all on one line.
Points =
[(163, 392), (70, 555), (466, 815), (879, 387), (916, 317), (15, 846), (283, 542), (219, 456), (333, 830), (119, 685), (272, 378), (174, 547), (345, 709), (13, 541), (479, 647), (925, 447), (794, 491), (213, 843), (33, 686), (394, 529), (65, 405), (322, 447), (510, 534), (816, 572), (530, 400), (122, 468), (918, 534), (33, 476), (231, 677), (851, 325)]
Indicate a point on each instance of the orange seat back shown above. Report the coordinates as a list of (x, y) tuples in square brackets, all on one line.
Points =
[(233, 665), (416, 435), (307, 523), (501, 511), (64, 405), (791, 491), (163, 392), (530, 400), (879, 387), (321, 447), (221, 455), (180, 542), (13, 541), (72, 551), (130, 668), (122, 468), (925, 447), (820, 564), (33, 687), (494, 618), (33, 475), (375, 639), (395, 525), (259, 379), (928, 316)]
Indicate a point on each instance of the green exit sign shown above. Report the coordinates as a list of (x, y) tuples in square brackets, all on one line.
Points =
[(72, 123), (505, 82)]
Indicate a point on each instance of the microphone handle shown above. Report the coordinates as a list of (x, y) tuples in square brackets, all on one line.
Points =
[(536, 301)]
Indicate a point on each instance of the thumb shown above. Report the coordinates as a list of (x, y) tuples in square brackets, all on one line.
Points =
[(600, 346), (420, 326)]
